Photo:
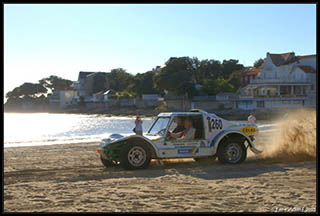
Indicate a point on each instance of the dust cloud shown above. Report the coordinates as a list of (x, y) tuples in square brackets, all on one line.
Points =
[(294, 138)]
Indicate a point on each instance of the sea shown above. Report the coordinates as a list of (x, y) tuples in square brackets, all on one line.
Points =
[(34, 129)]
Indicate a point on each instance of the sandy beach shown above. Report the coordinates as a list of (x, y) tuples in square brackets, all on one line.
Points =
[(70, 178)]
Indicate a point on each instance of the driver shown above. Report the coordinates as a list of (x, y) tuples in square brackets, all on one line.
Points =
[(187, 133), (180, 125)]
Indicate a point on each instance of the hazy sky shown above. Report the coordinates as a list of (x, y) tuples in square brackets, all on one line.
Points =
[(43, 40)]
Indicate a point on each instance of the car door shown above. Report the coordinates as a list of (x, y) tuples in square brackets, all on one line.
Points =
[(187, 148)]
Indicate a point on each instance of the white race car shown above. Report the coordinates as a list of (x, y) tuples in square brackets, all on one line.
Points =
[(214, 137)]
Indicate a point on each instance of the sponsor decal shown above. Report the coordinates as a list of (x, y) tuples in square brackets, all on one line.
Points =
[(154, 140), (248, 130), (188, 151)]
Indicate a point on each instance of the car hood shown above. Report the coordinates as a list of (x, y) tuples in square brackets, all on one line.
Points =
[(116, 137)]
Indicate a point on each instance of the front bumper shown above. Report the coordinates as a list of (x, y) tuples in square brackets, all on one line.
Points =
[(109, 153)]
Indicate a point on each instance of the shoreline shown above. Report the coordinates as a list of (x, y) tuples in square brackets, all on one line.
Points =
[(234, 114)]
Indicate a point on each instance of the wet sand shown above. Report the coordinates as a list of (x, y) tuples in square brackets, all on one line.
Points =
[(71, 178)]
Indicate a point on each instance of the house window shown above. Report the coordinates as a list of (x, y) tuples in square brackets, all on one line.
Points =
[(260, 104), (303, 90)]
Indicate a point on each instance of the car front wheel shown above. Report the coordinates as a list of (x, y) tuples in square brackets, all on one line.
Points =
[(232, 151), (135, 156)]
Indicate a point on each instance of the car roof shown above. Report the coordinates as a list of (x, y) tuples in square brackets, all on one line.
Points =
[(192, 112)]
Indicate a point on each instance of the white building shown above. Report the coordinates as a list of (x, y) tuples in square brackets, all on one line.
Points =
[(285, 81), (62, 98)]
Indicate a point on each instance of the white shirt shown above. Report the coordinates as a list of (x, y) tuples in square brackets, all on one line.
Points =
[(189, 134), (252, 119)]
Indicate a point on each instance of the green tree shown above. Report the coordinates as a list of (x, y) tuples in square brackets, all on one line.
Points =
[(229, 66), (187, 87), (32, 90), (258, 63), (119, 79), (235, 80), (213, 87), (207, 69), (56, 83), (175, 72), (143, 84)]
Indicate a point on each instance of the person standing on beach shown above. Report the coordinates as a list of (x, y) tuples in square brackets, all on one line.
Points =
[(138, 128), (252, 119)]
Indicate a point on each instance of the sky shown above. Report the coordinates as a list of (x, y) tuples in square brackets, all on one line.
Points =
[(62, 39)]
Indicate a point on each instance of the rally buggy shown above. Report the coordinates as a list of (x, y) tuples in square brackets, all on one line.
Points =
[(214, 137)]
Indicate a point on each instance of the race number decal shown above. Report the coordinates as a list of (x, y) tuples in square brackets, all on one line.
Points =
[(216, 124)]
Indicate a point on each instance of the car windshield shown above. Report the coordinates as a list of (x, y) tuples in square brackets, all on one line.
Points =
[(160, 126)]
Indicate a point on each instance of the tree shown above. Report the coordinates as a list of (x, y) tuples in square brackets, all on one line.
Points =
[(143, 84), (31, 92), (258, 63), (229, 66), (235, 80), (175, 72), (208, 69), (27, 89), (187, 87), (54, 82), (119, 79), (213, 87)]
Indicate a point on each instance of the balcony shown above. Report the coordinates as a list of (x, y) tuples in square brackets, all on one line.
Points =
[(272, 97), (279, 81)]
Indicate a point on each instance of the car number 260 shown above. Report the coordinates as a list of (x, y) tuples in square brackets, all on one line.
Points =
[(216, 124)]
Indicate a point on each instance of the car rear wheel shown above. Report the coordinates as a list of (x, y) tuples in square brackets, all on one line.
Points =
[(135, 156), (232, 151)]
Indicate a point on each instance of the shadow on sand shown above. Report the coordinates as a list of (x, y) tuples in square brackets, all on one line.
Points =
[(209, 170)]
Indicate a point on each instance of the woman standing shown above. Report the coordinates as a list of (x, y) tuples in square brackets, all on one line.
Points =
[(138, 128)]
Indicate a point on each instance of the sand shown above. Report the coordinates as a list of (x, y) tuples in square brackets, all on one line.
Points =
[(71, 178)]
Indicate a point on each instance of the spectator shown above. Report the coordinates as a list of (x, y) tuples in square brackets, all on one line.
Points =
[(138, 127), (252, 119)]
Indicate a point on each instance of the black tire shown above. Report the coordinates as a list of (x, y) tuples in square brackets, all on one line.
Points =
[(205, 159), (108, 163), (232, 151), (135, 156)]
